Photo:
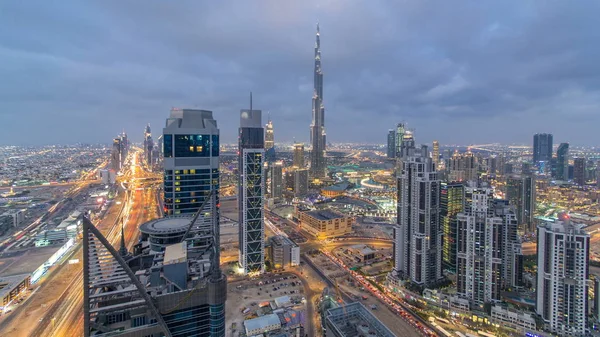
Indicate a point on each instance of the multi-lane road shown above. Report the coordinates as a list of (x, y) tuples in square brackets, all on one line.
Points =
[(56, 309)]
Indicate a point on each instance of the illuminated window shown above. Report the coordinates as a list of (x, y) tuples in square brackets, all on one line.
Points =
[(177, 183), (192, 171), (177, 189), (177, 177), (186, 171), (191, 149), (198, 148), (177, 201)]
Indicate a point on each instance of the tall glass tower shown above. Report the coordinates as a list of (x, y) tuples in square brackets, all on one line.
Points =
[(251, 192), (191, 160), (317, 127)]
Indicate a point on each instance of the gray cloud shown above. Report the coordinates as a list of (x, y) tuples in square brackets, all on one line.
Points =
[(460, 72)]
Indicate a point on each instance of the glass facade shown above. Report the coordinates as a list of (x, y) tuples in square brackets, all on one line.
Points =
[(186, 146), (185, 190), (451, 203), (189, 322)]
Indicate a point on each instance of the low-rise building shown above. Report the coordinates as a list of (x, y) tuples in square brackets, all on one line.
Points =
[(12, 286), (260, 325), (362, 253), (284, 252), (325, 223), (510, 317)]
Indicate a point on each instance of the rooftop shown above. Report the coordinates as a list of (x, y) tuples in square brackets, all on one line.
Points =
[(176, 253), (260, 323), (351, 318), (325, 214), (8, 283), (167, 225)]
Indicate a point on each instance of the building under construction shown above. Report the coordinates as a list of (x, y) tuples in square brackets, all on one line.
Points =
[(176, 291)]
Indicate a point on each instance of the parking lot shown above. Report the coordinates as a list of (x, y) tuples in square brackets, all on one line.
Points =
[(244, 297)]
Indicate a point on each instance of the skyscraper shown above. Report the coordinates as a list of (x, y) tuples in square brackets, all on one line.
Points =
[(317, 128), (399, 138), (418, 234), (148, 145), (391, 144), (452, 202), (435, 155), (191, 160), (269, 142), (562, 162), (579, 171), (542, 147), (299, 155), (300, 182), (115, 155), (478, 276), (562, 276), (277, 180), (520, 191), (488, 250), (251, 192)]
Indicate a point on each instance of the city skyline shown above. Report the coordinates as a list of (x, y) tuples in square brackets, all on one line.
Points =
[(522, 68)]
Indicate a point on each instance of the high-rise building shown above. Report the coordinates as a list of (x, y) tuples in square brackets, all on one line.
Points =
[(148, 145), (542, 148), (115, 155), (277, 180), (488, 251), (563, 250), (300, 182), (452, 202), (191, 160), (269, 142), (562, 162), (399, 138), (435, 154), (391, 144), (463, 167), (520, 191), (579, 171), (478, 274), (299, 155), (251, 192), (418, 234), (177, 291), (318, 165)]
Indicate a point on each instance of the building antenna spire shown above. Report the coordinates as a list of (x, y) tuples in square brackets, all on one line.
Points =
[(250, 100)]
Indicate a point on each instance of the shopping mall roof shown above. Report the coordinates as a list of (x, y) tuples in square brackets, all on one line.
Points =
[(8, 283)]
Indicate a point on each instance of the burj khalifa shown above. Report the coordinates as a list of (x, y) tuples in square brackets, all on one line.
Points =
[(317, 127)]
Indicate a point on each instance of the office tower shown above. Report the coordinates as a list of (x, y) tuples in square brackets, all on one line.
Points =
[(148, 145), (470, 166), (391, 144), (418, 234), (492, 165), (317, 128), (463, 167), (277, 180), (191, 160), (115, 155), (579, 171), (520, 191), (269, 142), (251, 192), (542, 148), (124, 147), (300, 182), (488, 251), (298, 155), (452, 202), (435, 155), (562, 162), (179, 291), (598, 176), (399, 138), (562, 276)]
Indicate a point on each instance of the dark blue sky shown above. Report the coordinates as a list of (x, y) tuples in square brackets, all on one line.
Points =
[(468, 72)]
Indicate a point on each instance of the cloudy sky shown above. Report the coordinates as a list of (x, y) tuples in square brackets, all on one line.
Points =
[(462, 72)]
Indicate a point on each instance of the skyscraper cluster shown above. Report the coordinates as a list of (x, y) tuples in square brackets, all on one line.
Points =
[(119, 152)]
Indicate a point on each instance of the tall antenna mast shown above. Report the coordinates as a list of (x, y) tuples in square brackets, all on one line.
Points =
[(250, 100)]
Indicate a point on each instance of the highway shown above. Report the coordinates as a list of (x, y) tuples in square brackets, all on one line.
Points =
[(56, 309), (140, 206)]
